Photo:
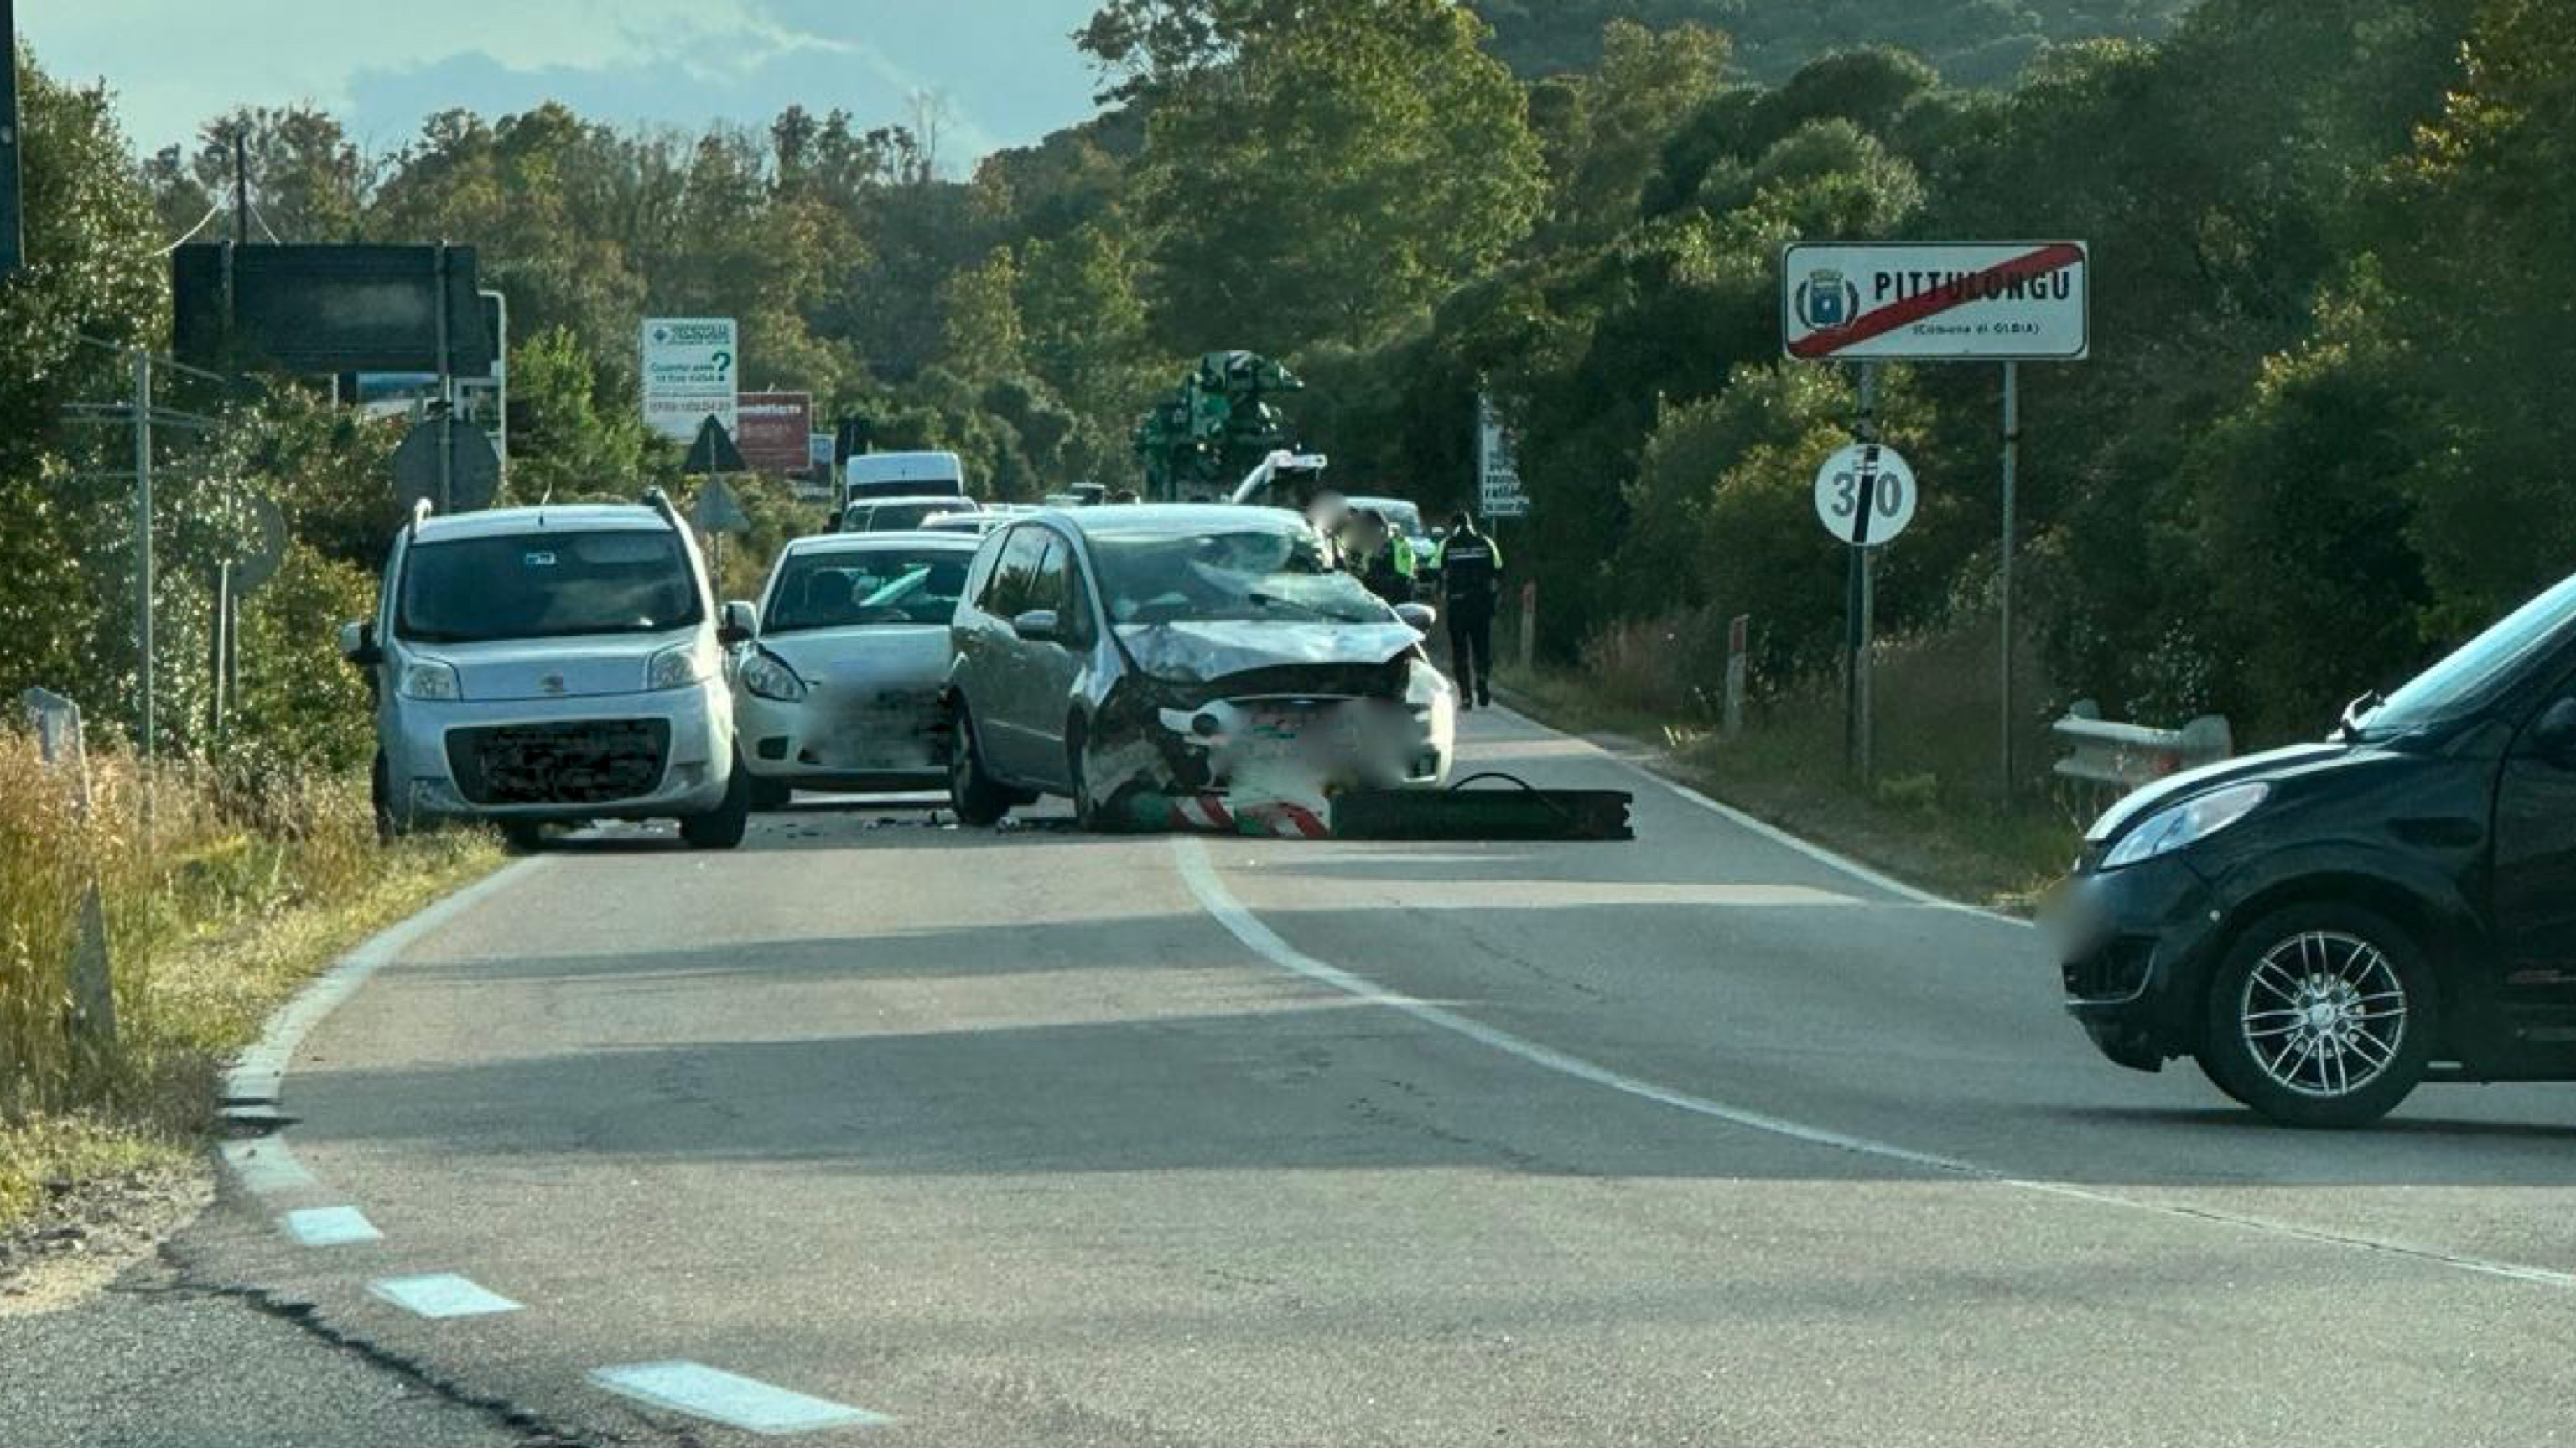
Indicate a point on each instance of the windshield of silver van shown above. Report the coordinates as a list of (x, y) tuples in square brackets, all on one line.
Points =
[(546, 585)]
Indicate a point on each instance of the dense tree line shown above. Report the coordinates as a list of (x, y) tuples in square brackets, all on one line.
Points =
[(2333, 256)]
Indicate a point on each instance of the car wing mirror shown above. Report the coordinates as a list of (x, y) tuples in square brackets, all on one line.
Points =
[(1418, 617), (739, 624), (358, 645), (2554, 737), (1039, 626)]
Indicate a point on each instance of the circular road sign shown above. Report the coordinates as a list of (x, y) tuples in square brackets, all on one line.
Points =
[(1865, 495), (260, 562)]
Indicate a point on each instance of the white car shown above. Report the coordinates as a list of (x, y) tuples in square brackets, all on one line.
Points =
[(838, 684)]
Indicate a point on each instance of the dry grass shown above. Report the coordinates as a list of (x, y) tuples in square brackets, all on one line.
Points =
[(237, 890)]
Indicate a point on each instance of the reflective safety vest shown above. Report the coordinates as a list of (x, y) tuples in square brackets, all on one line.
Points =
[(1471, 571)]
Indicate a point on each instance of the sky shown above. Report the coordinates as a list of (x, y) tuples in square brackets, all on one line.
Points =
[(1004, 70)]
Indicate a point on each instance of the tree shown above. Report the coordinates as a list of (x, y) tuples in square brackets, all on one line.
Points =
[(1335, 176), (980, 319), (91, 235)]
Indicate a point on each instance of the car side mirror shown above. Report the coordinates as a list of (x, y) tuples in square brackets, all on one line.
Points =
[(2554, 737), (358, 645), (1418, 617), (739, 624), (1039, 626)]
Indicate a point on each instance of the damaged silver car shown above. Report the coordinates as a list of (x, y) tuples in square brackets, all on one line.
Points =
[(1175, 650), (839, 685)]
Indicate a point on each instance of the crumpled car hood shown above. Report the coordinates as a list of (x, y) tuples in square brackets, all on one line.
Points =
[(1202, 653)]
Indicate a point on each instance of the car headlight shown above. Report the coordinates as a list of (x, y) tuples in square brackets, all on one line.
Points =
[(1425, 687), (768, 676), (676, 668), (2186, 824), (429, 679)]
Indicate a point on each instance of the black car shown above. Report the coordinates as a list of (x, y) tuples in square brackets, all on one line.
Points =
[(2323, 927)]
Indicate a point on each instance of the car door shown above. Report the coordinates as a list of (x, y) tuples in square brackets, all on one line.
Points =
[(1054, 667), (2535, 864), (1008, 703)]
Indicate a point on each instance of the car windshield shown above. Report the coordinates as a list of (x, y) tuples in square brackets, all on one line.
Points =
[(2472, 674), (547, 585), (865, 587), (1249, 574)]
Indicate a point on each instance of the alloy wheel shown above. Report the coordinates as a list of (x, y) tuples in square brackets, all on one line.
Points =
[(2324, 1014)]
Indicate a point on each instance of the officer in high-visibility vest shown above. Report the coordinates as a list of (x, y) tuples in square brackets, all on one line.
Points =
[(1383, 561), (1471, 587)]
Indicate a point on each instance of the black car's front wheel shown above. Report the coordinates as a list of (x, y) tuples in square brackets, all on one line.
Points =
[(2320, 1016)]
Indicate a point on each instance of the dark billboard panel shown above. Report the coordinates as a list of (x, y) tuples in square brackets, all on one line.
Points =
[(327, 309)]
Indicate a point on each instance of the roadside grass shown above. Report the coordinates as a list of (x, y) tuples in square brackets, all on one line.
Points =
[(238, 890), (1934, 817)]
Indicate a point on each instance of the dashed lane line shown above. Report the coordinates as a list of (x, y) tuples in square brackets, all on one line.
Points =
[(441, 1295), (1199, 874), (330, 1227), (731, 1399), (265, 1167)]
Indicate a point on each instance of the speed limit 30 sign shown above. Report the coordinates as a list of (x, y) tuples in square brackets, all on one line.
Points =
[(1865, 495)]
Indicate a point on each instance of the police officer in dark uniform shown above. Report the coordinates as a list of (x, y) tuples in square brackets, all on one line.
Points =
[(1471, 586)]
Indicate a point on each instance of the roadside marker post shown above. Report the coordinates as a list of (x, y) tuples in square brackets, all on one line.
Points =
[(2004, 302)]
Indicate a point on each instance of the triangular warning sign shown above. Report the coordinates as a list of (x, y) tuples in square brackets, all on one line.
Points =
[(714, 451)]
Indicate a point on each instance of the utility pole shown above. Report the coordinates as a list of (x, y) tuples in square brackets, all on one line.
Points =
[(241, 189), (143, 540)]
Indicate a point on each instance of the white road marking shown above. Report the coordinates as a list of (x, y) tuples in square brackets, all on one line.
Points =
[(1786, 840), (722, 1397), (441, 1294), (330, 1227), (265, 1167), (1199, 874), (257, 1077)]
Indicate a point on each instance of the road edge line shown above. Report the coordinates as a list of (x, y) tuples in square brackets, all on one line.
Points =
[(253, 1083), (1775, 834)]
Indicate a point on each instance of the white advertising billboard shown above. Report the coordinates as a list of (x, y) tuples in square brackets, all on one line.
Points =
[(692, 369)]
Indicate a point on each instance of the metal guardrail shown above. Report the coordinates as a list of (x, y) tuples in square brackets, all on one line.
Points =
[(2131, 755)]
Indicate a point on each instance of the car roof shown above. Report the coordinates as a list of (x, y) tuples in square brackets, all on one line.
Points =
[(891, 538), (1176, 518), (545, 518), (955, 503)]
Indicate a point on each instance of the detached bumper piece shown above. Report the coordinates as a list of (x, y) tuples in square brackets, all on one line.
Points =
[(1210, 814), (1515, 812)]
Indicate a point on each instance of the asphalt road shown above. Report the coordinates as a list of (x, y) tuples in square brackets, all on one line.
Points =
[(1024, 1138)]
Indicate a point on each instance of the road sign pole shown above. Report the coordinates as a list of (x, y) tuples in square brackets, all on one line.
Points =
[(217, 649), (1858, 604), (446, 397), (2012, 464)]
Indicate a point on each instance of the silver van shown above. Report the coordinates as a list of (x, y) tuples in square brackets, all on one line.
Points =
[(551, 665)]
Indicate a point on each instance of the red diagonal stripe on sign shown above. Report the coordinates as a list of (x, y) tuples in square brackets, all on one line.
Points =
[(1978, 288)]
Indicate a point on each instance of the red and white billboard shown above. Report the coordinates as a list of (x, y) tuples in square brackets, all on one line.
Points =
[(775, 431)]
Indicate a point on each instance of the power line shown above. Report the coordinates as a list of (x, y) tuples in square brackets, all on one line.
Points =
[(191, 233), (263, 225)]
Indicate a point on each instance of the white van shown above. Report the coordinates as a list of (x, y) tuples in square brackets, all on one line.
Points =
[(902, 475)]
